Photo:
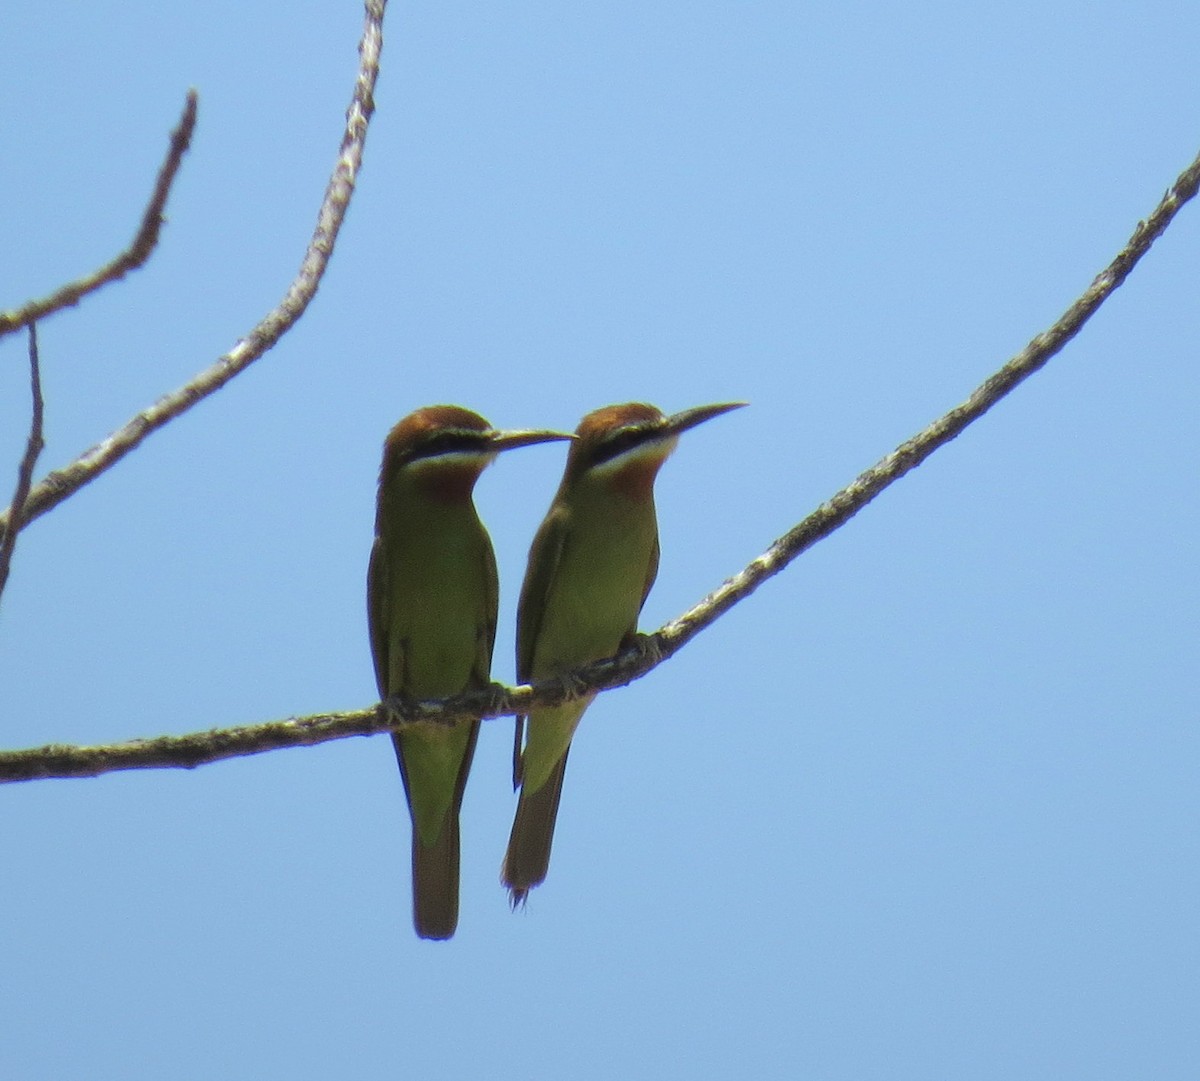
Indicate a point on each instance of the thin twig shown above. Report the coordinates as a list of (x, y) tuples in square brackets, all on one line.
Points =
[(144, 241), (61, 483), (33, 447), (648, 652)]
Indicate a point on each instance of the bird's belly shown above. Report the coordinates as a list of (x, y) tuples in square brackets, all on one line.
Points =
[(440, 640), (586, 622)]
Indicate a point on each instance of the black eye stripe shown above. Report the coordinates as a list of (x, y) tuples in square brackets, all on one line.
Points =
[(450, 442), (621, 441)]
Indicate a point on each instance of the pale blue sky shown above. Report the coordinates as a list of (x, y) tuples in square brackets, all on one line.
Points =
[(923, 807)]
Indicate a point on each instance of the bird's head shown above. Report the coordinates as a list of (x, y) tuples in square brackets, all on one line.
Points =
[(624, 446), (444, 449)]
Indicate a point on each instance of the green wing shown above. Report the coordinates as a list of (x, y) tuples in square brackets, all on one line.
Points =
[(651, 574), (377, 615), (545, 554), (491, 600)]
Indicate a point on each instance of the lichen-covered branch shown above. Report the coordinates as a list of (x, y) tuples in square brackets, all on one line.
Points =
[(197, 748), (648, 651), (61, 483), (144, 241)]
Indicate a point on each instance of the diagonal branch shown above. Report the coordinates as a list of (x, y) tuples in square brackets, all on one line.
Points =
[(57, 760), (867, 485), (62, 483), (144, 241), (33, 447)]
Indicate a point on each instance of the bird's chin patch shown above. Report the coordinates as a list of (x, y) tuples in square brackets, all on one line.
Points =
[(632, 474), (449, 478)]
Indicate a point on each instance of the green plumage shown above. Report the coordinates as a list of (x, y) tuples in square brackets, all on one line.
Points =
[(432, 592), (431, 611), (591, 565), (590, 568), (597, 556)]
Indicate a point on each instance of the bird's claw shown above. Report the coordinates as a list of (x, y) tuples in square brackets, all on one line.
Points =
[(646, 647), (397, 710)]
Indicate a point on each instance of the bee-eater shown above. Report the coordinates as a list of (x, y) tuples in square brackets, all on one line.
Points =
[(431, 607), (591, 565)]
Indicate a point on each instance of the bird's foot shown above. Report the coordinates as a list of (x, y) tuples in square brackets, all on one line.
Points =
[(646, 647), (493, 696), (398, 710)]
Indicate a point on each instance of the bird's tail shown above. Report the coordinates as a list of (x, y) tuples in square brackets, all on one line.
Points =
[(435, 865), (528, 857), (435, 880)]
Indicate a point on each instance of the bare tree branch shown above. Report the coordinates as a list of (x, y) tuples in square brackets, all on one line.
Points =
[(62, 483), (57, 760), (33, 447), (911, 453), (64, 760), (144, 241)]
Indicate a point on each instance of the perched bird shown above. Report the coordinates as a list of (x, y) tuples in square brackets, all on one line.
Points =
[(591, 565), (431, 609)]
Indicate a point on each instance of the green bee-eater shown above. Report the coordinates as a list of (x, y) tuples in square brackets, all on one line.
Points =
[(591, 566), (431, 607)]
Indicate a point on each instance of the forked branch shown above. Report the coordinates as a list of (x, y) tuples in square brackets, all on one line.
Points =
[(61, 483), (33, 447)]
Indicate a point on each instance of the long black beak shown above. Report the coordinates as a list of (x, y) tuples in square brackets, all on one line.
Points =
[(689, 418), (525, 438)]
